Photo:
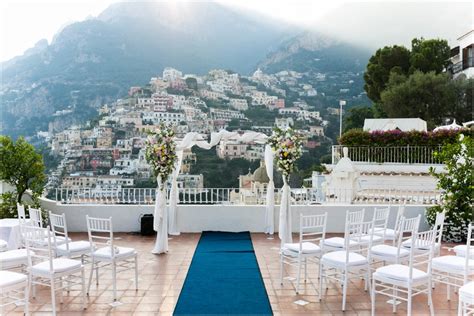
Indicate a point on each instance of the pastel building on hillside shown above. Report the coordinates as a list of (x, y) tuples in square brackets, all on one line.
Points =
[(462, 56)]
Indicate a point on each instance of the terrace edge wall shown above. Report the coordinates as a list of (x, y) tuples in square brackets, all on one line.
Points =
[(198, 218)]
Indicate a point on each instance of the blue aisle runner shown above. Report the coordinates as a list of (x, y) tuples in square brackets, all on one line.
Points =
[(224, 278)]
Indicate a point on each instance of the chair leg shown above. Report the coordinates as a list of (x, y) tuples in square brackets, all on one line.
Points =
[(372, 297), (298, 277), (281, 269), (344, 291), (90, 277), (305, 269), (114, 279), (61, 300), (321, 275), (459, 307), (409, 299), (394, 299), (430, 299), (27, 299), (448, 290), (53, 296), (83, 284), (136, 273)]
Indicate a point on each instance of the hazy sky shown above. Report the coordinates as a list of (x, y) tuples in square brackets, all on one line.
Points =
[(369, 23)]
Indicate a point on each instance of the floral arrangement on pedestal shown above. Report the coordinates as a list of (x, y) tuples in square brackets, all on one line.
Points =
[(160, 152), (457, 184), (287, 145)]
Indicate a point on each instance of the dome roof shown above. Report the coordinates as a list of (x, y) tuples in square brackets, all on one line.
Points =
[(260, 174)]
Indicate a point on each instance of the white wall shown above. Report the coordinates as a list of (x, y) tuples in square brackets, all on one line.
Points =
[(198, 218)]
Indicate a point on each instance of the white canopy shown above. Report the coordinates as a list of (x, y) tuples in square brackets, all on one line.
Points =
[(452, 126), (403, 124)]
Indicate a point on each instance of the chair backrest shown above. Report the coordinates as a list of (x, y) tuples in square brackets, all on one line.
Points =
[(36, 217), (469, 250), (439, 224), (58, 228), (353, 234), (355, 216), (422, 251), (380, 219), (38, 245), (21, 211), (407, 228), (312, 228), (400, 213), (100, 233)]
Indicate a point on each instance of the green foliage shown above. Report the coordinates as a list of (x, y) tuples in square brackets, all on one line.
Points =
[(398, 138), (213, 168), (21, 166), (192, 83), (429, 55), (457, 184), (429, 96), (355, 117), (8, 205), (385, 61)]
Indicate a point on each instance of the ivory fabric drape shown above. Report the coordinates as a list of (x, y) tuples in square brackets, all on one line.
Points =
[(160, 223), (284, 231), (270, 205), (173, 208)]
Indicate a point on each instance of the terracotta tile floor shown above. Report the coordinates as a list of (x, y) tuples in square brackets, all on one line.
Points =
[(161, 278)]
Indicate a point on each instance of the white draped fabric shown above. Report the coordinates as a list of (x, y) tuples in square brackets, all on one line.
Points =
[(284, 231), (269, 212), (173, 213), (195, 139), (160, 223)]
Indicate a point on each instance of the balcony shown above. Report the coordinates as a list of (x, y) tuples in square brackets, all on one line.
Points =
[(419, 155), (460, 66)]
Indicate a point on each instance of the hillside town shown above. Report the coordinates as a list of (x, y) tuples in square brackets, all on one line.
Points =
[(108, 153)]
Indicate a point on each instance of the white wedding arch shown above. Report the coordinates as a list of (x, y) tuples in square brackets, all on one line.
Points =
[(166, 222)]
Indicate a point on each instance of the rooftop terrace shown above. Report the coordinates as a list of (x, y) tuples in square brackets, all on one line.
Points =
[(161, 278)]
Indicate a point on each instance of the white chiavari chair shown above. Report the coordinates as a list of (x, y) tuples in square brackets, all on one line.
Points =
[(13, 290), (403, 282), (103, 251), (44, 269), (36, 217), (438, 227), (455, 270), (63, 245), (351, 262), (312, 232), (466, 299)]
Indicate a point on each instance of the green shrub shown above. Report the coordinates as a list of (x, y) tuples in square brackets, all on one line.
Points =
[(457, 184)]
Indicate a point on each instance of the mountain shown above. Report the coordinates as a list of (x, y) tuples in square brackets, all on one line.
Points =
[(315, 52), (96, 60)]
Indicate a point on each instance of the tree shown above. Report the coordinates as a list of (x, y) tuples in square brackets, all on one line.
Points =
[(385, 61), (192, 83), (429, 55), (355, 117), (21, 166), (425, 95)]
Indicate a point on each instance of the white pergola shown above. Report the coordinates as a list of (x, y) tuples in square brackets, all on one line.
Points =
[(166, 222)]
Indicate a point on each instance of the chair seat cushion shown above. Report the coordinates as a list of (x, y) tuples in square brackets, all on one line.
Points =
[(338, 259), (400, 272), (452, 263), (421, 244), (307, 247), (9, 278), (60, 265), (461, 250), (3, 245), (389, 233), (120, 253), (466, 292), (366, 239), (337, 242), (388, 251), (81, 246), (16, 255)]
